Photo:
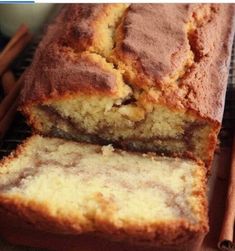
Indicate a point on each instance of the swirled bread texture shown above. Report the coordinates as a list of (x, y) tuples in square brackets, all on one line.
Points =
[(64, 187)]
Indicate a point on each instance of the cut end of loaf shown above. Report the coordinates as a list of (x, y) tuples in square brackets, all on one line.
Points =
[(138, 126)]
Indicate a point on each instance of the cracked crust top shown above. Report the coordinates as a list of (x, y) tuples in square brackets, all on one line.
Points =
[(154, 37), (172, 54)]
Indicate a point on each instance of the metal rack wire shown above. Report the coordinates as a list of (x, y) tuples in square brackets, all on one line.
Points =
[(20, 130), (228, 124)]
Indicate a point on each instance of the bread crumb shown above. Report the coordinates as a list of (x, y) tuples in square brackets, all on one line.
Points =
[(107, 150)]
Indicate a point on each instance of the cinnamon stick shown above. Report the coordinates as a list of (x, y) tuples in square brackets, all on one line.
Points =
[(10, 98), (226, 241), (8, 118), (8, 81), (8, 105), (14, 47)]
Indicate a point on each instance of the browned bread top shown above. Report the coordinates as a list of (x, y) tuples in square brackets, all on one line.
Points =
[(182, 50), (154, 38), (63, 68), (175, 54)]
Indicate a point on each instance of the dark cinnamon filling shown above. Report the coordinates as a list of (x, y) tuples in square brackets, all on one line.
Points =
[(17, 181), (78, 133)]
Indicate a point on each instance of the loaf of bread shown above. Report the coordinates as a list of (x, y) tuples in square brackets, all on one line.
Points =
[(148, 77), (64, 187)]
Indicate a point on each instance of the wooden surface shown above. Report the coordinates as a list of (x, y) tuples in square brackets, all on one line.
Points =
[(217, 195)]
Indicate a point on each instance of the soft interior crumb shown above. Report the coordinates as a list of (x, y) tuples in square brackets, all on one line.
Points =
[(85, 190)]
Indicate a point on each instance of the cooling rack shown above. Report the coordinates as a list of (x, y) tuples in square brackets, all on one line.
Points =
[(228, 123), (19, 129)]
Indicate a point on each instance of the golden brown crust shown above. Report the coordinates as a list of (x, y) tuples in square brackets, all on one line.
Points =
[(200, 84), (20, 232), (81, 23), (207, 91), (68, 60), (65, 73), (200, 88), (161, 234), (152, 40)]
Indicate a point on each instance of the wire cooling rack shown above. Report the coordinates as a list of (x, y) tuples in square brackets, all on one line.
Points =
[(20, 130), (228, 123)]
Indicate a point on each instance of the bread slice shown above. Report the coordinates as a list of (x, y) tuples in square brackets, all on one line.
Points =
[(72, 188), (149, 77)]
